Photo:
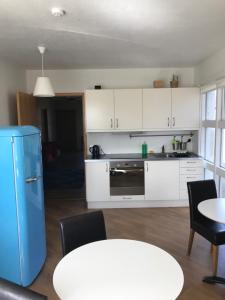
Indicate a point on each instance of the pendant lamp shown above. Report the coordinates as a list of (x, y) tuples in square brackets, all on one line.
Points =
[(43, 87)]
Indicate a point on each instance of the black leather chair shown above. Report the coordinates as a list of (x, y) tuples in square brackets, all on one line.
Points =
[(82, 229), (214, 232), (12, 291)]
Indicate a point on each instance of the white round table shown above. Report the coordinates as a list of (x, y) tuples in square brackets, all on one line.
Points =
[(213, 209), (118, 269)]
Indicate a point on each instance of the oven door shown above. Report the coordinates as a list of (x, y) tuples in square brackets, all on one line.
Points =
[(127, 178)]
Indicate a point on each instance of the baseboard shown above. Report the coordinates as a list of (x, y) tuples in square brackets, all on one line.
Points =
[(137, 204)]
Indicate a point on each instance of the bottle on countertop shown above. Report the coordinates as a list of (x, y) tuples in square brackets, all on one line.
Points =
[(174, 143), (144, 149)]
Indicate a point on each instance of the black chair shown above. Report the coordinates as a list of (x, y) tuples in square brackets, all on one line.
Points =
[(82, 229), (214, 232), (12, 291)]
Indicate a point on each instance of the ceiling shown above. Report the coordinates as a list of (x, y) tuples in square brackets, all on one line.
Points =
[(111, 33)]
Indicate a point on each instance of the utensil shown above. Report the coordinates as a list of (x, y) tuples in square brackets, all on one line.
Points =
[(183, 145)]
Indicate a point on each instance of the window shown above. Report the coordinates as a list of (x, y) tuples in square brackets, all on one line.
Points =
[(211, 105), (209, 144), (208, 174), (222, 161), (222, 187), (203, 106), (223, 104), (213, 136), (208, 137)]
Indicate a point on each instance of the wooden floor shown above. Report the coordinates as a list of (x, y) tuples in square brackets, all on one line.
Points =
[(167, 228)]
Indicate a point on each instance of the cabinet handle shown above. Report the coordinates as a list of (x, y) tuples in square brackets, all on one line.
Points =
[(107, 168), (146, 167), (173, 121), (31, 179), (117, 123), (111, 122), (168, 122)]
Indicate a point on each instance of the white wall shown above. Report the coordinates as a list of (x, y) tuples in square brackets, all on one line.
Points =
[(12, 78), (122, 143), (211, 69), (80, 80)]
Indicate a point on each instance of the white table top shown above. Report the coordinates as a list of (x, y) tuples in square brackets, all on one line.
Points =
[(118, 270), (213, 209)]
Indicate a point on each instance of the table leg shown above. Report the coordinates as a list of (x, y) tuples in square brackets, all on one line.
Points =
[(214, 279)]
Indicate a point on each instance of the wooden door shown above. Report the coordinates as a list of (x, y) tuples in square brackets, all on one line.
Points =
[(157, 108), (128, 109), (27, 112)]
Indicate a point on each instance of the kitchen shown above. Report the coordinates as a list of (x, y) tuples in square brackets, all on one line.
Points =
[(114, 46), (162, 120)]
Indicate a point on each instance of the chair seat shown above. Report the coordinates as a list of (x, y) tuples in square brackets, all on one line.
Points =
[(211, 230), (13, 291)]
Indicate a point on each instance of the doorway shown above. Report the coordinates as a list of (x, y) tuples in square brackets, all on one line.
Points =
[(62, 140)]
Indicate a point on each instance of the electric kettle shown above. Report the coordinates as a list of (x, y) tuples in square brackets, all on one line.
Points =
[(95, 151)]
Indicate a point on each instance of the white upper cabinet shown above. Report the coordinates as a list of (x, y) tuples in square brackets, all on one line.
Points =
[(185, 108), (99, 109), (142, 109), (114, 109), (156, 108), (128, 109)]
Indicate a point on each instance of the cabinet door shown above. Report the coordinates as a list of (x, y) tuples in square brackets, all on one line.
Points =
[(128, 109), (99, 109), (162, 180), (156, 108), (185, 108), (97, 181)]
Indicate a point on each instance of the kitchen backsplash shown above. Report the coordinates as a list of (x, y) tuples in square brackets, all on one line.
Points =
[(122, 143)]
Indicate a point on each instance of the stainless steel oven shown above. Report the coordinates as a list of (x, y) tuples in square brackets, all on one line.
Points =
[(126, 178)]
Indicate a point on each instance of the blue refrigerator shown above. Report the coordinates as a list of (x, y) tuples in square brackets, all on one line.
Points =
[(22, 219)]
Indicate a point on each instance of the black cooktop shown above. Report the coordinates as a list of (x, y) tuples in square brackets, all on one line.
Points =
[(184, 154)]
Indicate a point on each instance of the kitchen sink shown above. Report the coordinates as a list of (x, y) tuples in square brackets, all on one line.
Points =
[(171, 155), (162, 155)]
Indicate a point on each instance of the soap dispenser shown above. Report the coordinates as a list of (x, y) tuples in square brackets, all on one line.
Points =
[(144, 149)]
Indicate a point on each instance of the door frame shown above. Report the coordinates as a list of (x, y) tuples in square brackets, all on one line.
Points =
[(82, 95)]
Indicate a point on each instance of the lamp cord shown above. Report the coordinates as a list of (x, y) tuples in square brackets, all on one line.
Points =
[(42, 65)]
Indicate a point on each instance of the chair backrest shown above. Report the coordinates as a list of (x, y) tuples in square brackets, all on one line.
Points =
[(199, 191), (82, 229), (12, 291)]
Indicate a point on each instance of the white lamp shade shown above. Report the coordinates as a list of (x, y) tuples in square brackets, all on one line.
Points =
[(43, 88)]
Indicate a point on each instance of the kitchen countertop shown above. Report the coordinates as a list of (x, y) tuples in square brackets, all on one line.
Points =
[(139, 157)]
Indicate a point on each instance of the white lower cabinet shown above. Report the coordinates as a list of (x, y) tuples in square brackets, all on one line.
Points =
[(162, 180), (97, 181), (165, 180), (190, 170)]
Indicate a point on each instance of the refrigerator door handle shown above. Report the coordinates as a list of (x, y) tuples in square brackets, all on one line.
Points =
[(31, 179)]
